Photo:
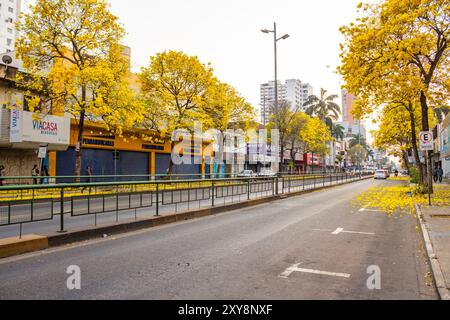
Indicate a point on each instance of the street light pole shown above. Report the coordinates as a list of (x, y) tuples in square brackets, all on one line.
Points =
[(276, 69), (275, 40)]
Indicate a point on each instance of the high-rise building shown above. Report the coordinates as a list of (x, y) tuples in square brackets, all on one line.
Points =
[(9, 15), (351, 125), (348, 100), (293, 90)]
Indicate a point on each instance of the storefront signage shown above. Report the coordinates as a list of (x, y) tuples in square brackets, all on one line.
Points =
[(27, 127), (98, 142)]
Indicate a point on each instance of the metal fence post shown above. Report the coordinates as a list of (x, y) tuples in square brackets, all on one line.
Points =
[(157, 199), (248, 189), (276, 186), (212, 193), (61, 217)]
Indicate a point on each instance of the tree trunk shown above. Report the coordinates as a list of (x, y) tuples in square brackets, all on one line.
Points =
[(80, 146), (405, 160), (324, 166), (170, 168), (80, 134), (280, 168), (221, 148), (414, 146)]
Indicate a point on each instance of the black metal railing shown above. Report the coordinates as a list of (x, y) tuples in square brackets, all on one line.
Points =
[(38, 203)]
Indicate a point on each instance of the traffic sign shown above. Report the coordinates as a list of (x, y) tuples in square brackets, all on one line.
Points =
[(426, 141), (42, 154)]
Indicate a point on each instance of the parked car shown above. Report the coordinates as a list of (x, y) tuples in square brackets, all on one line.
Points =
[(246, 174), (381, 174), (266, 173)]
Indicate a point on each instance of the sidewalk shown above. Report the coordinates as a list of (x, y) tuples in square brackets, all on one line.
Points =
[(436, 226)]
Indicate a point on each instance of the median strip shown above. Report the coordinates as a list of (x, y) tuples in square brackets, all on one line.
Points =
[(30, 243)]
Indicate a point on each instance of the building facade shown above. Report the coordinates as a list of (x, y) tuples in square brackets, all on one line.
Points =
[(444, 146), (293, 90), (348, 100), (9, 15)]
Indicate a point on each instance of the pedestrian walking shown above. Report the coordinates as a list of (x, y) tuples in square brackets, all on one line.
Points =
[(2, 175), (45, 174), (88, 174), (35, 174), (435, 175), (440, 174)]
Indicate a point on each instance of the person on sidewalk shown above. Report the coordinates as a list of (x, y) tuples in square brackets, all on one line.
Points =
[(88, 174), (440, 174), (2, 174), (35, 174), (45, 175), (435, 175)]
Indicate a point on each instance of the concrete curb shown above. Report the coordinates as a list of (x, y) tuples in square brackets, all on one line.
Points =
[(15, 246), (439, 280), (88, 233)]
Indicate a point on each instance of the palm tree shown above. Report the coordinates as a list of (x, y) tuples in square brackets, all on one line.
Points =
[(338, 132), (358, 139), (323, 107)]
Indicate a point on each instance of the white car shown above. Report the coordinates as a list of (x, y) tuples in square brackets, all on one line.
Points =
[(381, 174), (266, 173), (246, 174)]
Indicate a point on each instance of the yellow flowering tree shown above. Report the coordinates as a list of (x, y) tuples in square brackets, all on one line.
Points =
[(315, 136), (176, 89), (227, 109), (73, 57), (399, 46), (394, 135)]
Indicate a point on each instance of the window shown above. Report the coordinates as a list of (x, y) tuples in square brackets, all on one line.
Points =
[(10, 30), (10, 20), (10, 10), (9, 42)]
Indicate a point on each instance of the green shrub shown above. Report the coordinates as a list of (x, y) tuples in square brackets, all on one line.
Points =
[(415, 175)]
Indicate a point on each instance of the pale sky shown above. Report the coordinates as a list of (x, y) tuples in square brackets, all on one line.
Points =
[(227, 34)]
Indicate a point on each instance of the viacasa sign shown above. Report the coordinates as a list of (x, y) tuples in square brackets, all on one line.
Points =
[(46, 127), (27, 128)]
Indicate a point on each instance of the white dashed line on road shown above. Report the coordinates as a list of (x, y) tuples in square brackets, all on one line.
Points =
[(295, 268), (372, 210), (342, 230)]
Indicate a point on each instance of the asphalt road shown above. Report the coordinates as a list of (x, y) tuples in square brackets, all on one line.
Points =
[(42, 210), (298, 248)]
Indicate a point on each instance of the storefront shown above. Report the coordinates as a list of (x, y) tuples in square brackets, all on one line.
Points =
[(22, 133), (444, 144), (137, 155)]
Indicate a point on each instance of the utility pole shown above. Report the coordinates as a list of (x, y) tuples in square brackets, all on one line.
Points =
[(275, 40)]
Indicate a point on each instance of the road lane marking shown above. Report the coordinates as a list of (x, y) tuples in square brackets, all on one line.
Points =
[(342, 230), (373, 210), (337, 231), (295, 268), (358, 232)]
